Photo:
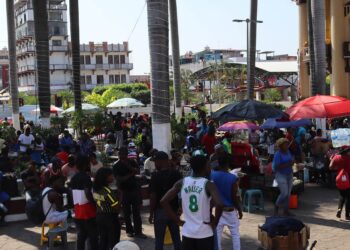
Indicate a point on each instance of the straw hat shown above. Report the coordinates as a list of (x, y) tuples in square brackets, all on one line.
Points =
[(281, 141)]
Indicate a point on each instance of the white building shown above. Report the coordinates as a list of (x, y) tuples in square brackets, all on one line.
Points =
[(101, 64)]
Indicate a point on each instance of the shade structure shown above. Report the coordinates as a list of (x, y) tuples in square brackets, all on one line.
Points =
[(273, 123), (320, 106), (86, 107), (250, 110), (53, 110), (125, 103), (221, 111), (244, 125)]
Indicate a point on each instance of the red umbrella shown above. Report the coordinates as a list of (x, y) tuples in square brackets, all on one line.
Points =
[(320, 106), (229, 126)]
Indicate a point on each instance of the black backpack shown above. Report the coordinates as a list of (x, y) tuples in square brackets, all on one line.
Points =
[(34, 208)]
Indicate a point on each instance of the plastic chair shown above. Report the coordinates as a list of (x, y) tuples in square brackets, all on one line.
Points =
[(56, 233), (249, 197)]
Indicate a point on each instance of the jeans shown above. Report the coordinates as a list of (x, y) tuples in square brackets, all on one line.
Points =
[(198, 244), (285, 184), (344, 198), (132, 202), (229, 219), (161, 221), (86, 229), (108, 230)]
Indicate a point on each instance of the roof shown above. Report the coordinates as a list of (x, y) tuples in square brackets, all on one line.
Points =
[(276, 66)]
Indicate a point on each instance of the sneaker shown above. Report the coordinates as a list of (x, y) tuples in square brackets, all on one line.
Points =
[(141, 236), (130, 235), (339, 214)]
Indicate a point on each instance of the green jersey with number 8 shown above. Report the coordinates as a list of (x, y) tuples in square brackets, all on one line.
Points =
[(196, 208)]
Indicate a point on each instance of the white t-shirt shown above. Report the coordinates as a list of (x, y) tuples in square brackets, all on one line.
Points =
[(149, 165), (26, 140)]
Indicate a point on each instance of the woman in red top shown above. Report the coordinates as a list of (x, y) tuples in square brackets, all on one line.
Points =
[(339, 162), (209, 141)]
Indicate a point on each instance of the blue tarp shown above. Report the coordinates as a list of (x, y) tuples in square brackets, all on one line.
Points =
[(272, 123)]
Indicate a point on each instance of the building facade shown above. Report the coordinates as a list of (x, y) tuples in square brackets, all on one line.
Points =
[(4, 68), (101, 63)]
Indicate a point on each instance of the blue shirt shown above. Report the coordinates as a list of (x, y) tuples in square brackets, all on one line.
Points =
[(281, 158), (300, 133), (224, 182)]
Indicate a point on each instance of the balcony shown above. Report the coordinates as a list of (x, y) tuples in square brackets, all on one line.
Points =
[(27, 68), (25, 49), (57, 7), (19, 3), (53, 67), (62, 48), (126, 66)]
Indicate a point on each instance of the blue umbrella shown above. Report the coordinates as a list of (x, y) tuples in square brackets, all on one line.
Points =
[(273, 123)]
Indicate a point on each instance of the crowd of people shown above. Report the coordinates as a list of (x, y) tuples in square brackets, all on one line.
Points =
[(73, 181)]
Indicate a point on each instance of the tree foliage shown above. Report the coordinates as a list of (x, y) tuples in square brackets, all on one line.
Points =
[(272, 95)]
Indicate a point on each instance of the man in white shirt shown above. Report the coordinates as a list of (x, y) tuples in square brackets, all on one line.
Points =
[(26, 141), (149, 165)]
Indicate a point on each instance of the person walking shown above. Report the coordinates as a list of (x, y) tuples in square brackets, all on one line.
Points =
[(282, 166), (196, 195), (341, 163), (108, 206), (161, 182), (227, 185)]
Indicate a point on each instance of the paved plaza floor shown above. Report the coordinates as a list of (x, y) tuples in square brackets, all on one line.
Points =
[(317, 208)]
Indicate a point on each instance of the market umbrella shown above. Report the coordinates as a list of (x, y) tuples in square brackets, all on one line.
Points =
[(273, 123), (53, 110), (221, 111), (125, 103), (245, 125), (86, 107), (320, 106), (251, 110)]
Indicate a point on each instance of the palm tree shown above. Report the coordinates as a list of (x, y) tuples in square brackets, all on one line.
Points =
[(319, 38), (158, 30), (312, 67), (252, 48), (13, 65), (75, 42), (42, 59), (176, 55)]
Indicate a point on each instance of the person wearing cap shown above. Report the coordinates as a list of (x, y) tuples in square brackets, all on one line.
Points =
[(282, 166), (161, 182)]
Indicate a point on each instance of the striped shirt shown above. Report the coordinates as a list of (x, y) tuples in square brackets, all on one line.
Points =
[(106, 200)]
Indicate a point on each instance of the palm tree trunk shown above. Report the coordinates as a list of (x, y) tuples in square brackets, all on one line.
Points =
[(42, 59), (13, 64), (158, 30), (176, 55), (75, 41), (319, 37), (312, 65), (252, 48)]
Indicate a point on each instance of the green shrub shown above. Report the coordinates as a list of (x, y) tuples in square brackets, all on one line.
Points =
[(143, 96)]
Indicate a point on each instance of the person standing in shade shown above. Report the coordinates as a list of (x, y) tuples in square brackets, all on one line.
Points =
[(196, 195), (282, 166), (125, 171), (227, 185), (108, 206), (161, 182), (26, 141), (119, 138)]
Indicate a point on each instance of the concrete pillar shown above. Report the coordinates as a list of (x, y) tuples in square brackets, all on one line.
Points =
[(258, 95), (304, 81), (340, 79)]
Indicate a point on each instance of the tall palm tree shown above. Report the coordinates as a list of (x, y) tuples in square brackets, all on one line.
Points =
[(75, 41), (42, 59), (319, 40), (312, 65), (158, 30), (252, 48), (176, 54), (13, 65)]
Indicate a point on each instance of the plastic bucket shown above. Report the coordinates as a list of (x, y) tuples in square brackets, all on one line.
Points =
[(293, 201)]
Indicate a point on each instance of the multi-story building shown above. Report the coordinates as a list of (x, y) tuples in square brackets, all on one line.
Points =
[(100, 63), (4, 66), (103, 64)]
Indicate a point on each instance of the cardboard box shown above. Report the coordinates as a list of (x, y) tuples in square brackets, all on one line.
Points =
[(294, 240)]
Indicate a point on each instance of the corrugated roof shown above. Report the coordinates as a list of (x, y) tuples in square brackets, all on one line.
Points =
[(276, 66)]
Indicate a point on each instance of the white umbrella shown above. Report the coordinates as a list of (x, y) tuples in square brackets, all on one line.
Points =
[(53, 110), (125, 103), (86, 107)]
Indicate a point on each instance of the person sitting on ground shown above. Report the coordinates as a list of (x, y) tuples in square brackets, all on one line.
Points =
[(53, 201), (69, 169), (95, 165), (149, 165)]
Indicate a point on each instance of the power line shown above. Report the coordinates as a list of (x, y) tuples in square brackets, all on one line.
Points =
[(137, 20)]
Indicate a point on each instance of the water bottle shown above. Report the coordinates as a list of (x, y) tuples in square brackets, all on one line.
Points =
[(65, 199)]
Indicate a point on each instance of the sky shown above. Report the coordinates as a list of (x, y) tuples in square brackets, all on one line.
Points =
[(201, 23)]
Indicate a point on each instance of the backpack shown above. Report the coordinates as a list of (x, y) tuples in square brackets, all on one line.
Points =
[(342, 181), (34, 208)]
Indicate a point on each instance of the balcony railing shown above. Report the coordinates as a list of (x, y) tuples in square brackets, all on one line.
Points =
[(31, 49), (127, 66), (57, 6), (52, 67), (26, 68)]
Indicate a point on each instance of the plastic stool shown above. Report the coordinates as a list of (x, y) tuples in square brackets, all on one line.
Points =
[(248, 200), (55, 233)]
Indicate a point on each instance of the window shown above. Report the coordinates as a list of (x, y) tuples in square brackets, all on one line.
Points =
[(117, 78), (99, 60), (122, 59), (56, 30), (25, 17), (82, 61), (56, 43), (100, 79), (116, 59), (111, 78), (88, 79), (87, 60), (123, 78), (82, 79), (110, 59)]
